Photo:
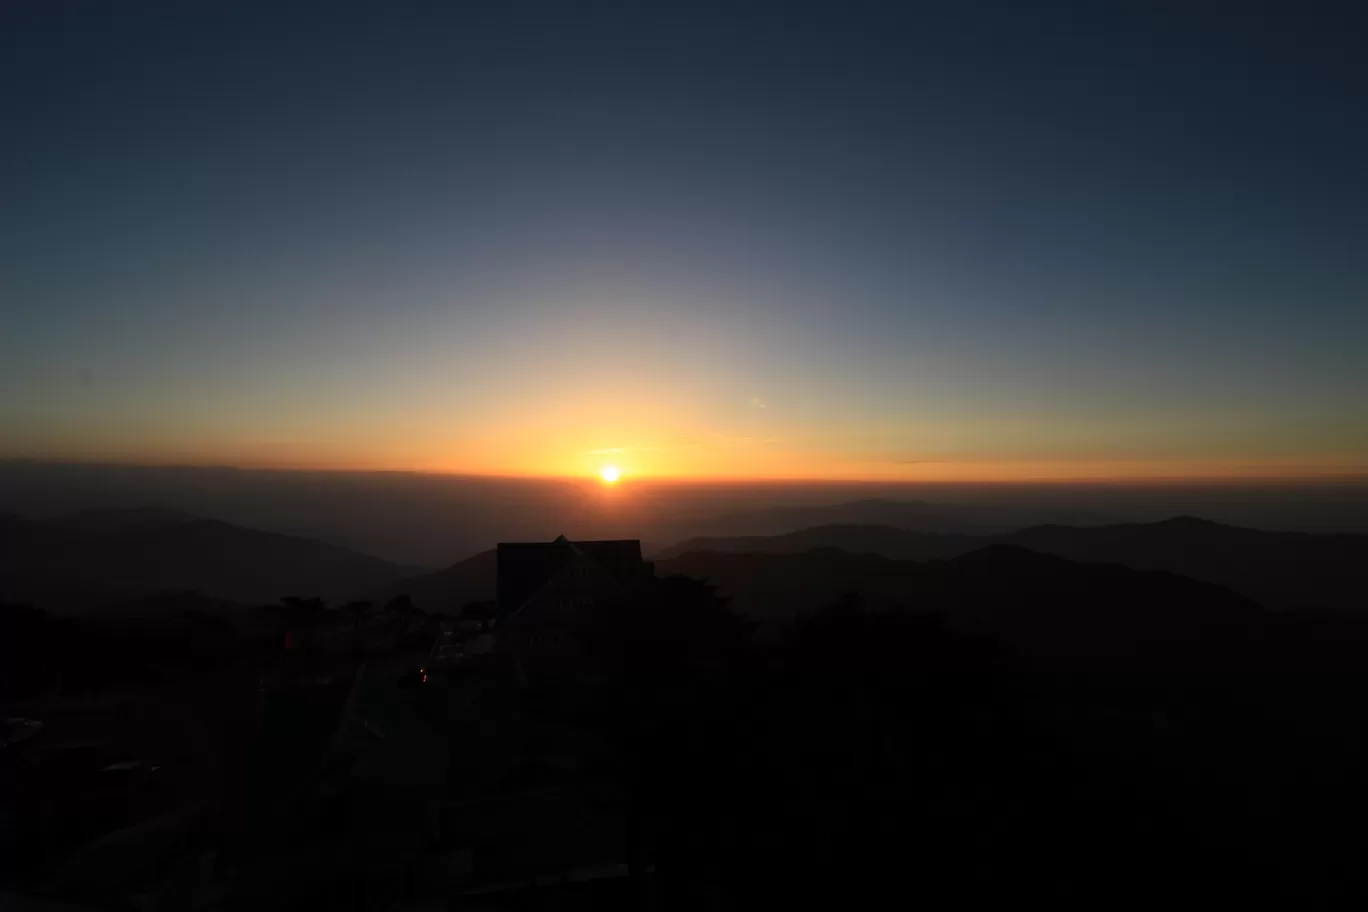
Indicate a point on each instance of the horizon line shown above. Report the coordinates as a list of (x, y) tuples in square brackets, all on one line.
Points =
[(1307, 475)]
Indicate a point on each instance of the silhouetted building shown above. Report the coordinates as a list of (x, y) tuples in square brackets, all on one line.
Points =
[(544, 589)]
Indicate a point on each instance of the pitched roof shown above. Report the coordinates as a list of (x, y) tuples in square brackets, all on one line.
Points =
[(524, 567)]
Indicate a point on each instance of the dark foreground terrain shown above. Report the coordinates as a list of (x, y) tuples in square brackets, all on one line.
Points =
[(1003, 726)]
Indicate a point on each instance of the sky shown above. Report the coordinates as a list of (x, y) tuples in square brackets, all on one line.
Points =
[(838, 241)]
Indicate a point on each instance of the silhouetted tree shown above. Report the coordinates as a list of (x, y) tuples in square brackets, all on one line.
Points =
[(357, 611), (480, 612), (301, 617), (402, 614), (660, 660), (676, 632)]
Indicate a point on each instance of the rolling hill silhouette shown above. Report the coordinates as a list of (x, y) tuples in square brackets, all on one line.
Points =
[(448, 590), (1281, 570), (88, 560), (886, 541), (1039, 605), (915, 515)]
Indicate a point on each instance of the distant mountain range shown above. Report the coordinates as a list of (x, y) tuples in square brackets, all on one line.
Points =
[(1281, 570), (776, 577), (97, 559), (915, 515), (885, 541), (89, 560), (1036, 604)]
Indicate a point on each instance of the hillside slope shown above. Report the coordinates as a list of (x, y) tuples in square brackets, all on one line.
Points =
[(1282, 570), (83, 561)]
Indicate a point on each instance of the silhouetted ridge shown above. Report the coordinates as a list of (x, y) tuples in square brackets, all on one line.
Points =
[(1002, 555), (85, 561), (912, 516), (451, 589), (119, 518), (1285, 570), (1190, 522)]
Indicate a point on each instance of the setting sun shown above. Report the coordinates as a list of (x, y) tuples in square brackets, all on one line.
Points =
[(609, 474)]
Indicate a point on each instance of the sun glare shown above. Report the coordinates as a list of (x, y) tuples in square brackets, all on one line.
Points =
[(609, 474)]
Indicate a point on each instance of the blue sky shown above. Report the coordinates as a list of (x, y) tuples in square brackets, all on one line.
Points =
[(837, 241)]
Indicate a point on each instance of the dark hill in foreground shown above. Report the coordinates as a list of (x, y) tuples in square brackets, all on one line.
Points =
[(449, 590), (88, 560), (1036, 604), (1283, 570)]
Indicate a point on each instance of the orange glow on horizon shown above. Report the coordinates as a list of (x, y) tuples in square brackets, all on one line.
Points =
[(582, 449), (795, 471)]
